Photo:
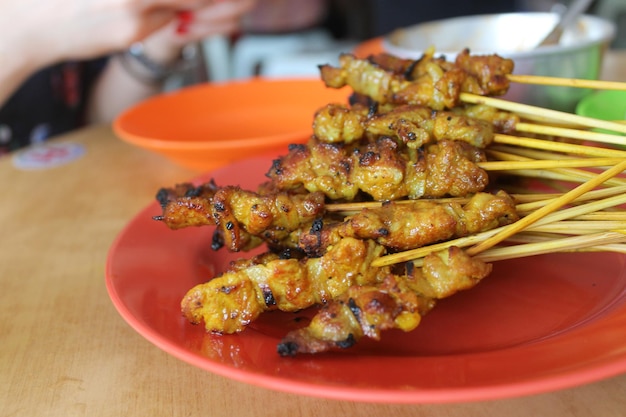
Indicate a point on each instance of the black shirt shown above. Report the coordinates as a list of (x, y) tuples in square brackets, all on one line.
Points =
[(49, 103)]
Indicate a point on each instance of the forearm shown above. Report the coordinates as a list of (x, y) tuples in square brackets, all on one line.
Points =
[(115, 91), (125, 81), (19, 56), (41, 33), (13, 74), (118, 88)]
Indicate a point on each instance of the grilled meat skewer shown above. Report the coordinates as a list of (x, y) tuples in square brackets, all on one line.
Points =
[(396, 302), (382, 169), (229, 302), (429, 81), (404, 225), (414, 125), (244, 219)]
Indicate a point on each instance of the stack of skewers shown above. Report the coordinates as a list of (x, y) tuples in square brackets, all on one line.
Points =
[(404, 196)]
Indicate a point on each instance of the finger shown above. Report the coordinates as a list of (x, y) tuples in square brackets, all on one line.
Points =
[(185, 18), (223, 10), (155, 20), (176, 4), (196, 31)]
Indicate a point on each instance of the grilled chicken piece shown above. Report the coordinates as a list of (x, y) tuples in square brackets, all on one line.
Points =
[(429, 81), (229, 302), (397, 302), (364, 78), (338, 123), (502, 121), (191, 205), (382, 169), (489, 70), (243, 216), (418, 125), (244, 219), (282, 220), (413, 125), (404, 226), (363, 311)]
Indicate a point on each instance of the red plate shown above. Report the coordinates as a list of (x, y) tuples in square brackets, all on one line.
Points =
[(535, 325)]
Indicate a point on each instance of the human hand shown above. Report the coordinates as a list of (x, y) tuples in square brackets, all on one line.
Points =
[(216, 18), (43, 32)]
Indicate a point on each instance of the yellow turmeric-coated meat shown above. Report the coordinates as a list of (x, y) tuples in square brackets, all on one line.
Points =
[(413, 125), (229, 302), (382, 169), (409, 225), (397, 302), (404, 139), (244, 219), (428, 81), (405, 225)]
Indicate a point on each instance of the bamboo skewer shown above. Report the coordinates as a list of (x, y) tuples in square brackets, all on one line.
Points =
[(615, 247), (599, 157), (571, 133), (556, 245), (602, 215), (560, 174), (547, 209), (548, 175), (555, 114), (584, 209), (548, 164), (590, 196), (570, 213), (531, 237), (515, 153), (567, 82), (606, 241), (546, 218), (525, 202), (578, 227), (566, 148)]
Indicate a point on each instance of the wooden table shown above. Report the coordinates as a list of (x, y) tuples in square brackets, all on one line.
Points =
[(64, 349)]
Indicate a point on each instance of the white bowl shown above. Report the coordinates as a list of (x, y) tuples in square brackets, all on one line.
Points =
[(515, 35)]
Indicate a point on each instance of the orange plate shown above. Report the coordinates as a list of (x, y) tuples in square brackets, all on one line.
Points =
[(534, 325), (210, 125)]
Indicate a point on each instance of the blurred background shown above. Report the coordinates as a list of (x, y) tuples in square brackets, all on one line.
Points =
[(291, 37)]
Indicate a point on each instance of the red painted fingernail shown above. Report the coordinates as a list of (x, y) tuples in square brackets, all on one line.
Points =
[(185, 17)]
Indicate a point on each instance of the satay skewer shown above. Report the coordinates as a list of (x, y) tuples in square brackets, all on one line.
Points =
[(556, 115), (562, 147), (545, 240), (567, 82), (535, 238), (583, 242), (548, 164), (554, 245), (569, 213), (560, 174), (603, 215), (526, 202), (529, 202), (571, 133), (577, 227), (547, 209)]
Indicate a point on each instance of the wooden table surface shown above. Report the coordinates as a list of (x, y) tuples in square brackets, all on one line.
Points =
[(65, 351)]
